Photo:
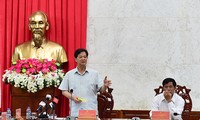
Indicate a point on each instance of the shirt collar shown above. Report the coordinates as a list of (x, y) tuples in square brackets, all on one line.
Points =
[(76, 71), (44, 42)]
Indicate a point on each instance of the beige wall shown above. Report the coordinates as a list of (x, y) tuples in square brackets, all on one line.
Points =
[(138, 43)]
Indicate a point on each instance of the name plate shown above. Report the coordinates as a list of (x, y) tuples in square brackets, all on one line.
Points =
[(3, 115), (87, 115), (18, 113), (160, 115)]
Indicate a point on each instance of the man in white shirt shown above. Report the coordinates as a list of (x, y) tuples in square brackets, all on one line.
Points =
[(169, 100)]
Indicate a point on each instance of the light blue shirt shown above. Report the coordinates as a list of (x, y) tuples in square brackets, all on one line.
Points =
[(84, 86)]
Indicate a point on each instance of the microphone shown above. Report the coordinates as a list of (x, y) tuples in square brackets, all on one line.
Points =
[(175, 114), (71, 91), (41, 105), (48, 97), (43, 113), (70, 117), (53, 103), (52, 116)]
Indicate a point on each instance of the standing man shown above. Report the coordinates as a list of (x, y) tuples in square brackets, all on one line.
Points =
[(39, 47), (169, 100), (84, 83)]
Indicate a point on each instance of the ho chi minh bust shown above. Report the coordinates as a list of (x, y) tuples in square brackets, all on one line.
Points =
[(39, 47)]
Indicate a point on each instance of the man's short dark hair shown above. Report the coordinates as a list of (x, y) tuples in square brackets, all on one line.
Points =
[(167, 80), (78, 51)]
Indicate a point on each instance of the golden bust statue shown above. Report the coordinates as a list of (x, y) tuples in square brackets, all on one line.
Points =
[(39, 47)]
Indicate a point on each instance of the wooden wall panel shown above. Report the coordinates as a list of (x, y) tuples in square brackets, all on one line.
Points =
[(22, 99)]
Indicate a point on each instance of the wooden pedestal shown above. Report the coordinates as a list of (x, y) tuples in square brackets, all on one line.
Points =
[(22, 99)]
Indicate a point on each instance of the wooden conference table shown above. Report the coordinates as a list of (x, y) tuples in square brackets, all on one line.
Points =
[(59, 118)]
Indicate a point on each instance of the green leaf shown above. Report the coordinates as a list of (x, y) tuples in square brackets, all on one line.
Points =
[(23, 70), (57, 64)]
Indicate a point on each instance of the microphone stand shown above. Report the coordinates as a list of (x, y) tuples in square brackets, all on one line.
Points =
[(70, 117), (53, 114), (40, 111), (53, 109), (46, 109), (43, 114)]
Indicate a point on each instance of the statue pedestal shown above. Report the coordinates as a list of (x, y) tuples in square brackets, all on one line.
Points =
[(22, 99)]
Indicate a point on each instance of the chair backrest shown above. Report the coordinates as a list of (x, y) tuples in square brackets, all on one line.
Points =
[(184, 93), (105, 103), (102, 105)]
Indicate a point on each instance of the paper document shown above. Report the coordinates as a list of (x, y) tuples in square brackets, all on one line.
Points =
[(82, 99)]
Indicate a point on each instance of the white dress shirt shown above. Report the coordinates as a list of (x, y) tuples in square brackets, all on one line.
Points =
[(175, 106)]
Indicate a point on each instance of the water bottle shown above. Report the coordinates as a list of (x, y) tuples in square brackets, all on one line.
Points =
[(28, 113), (8, 114), (135, 118)]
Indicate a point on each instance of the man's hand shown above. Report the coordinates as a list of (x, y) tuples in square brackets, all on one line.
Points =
[(76, 99), (107, 82), (168, 96)]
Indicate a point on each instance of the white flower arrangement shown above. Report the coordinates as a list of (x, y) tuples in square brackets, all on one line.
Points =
[(34, 74)]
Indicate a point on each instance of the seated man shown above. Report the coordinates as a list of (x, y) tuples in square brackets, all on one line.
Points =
[(168, 100)]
